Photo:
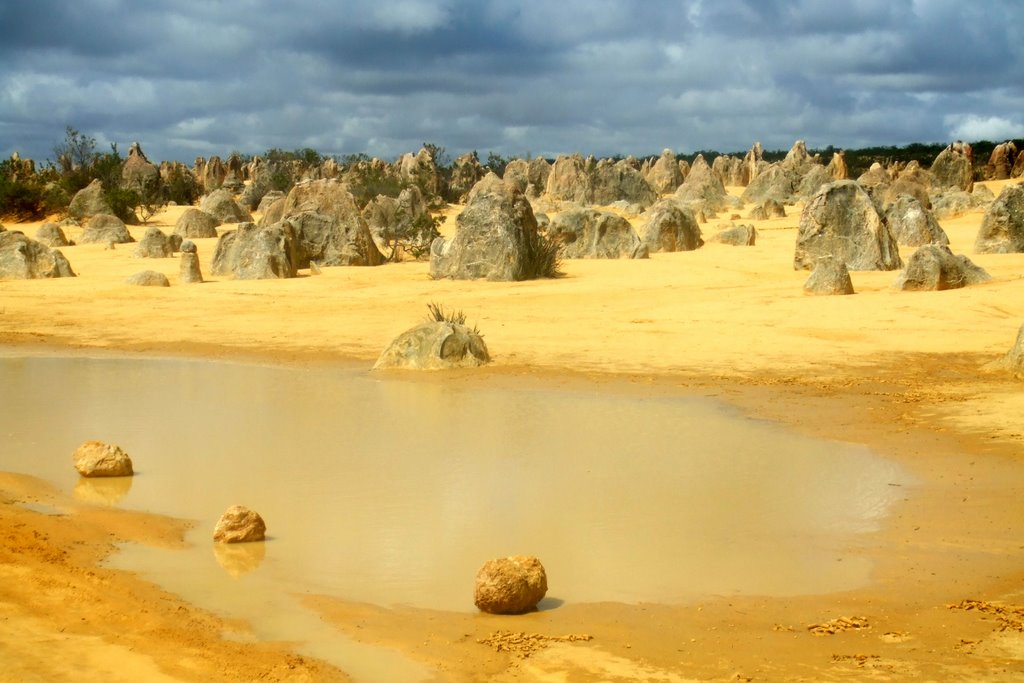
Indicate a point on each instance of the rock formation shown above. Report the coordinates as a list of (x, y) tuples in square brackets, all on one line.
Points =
[(195, 223), (935, 267), (435, 345), (328, 226), (665, 176), (104, 229), (953, 167), (401, 225), (613, 181), (1001, 161), (148, 278), (737, 236), (188, 268), (1002, 228), (222, 206), (23, 258), (496, 238), (255, 253), (510, 585), (138, 173), (830, 277), (589, 233), (569, 180), (239, 524), (89, 201), (154, 244), (97, 459), (703, 187), (729, 169), (837, 166), (671, 227), (466, 172), (912, 224), (842, 221), (268, 200), (52, 235)]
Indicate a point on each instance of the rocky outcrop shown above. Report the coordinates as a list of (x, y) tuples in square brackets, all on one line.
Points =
[(569, 180), (950, 203), (510, 585), (138, 173), (830, 277), (222, 206), (255, 253), (589, 233), (435, 345), (702, 186), (328, 226), (875, 180), (23, 258), (1002, 228), (953, 167), (268, 200), (239, 524), (496, 238), (52, 235), (614, 181), (196, 224), (665, 175), (837, 168), (148, 278), (154, 244), (912, 224), (97, 459), (211, 174), (842, 221), (421, 170), (737, 236), (401, 226), (1001, 161), (188, 267), (466, 172), (670, 227), (935, 267), (753, 163), (729, 169), (904, 186), (106, 229), (89, 201)]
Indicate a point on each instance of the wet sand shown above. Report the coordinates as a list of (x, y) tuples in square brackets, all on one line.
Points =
[(899, 372)]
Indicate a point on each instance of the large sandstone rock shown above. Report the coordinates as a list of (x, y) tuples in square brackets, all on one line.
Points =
[(615, 181), (773, 183), (239, 524), (104, 229), (421, 170), (435, 345), (837, 168), (496, 237), (154, 244), (328, 225), (949, 203), (466, 172), (148, 278), (953, 167), (268, 200), (23, 258), (912, 224), (510, 585), (138, 173), (255, 253), (196, 224), (97, 459), (737, 236), (89, 202), (842, 221), (935, 267), (569, 180), (222, 206), (830, 277), (589, 233), (671, 227), (1002, 228), (51, 234), (702, 185), (665, 175), (401, 225), (1001, 161), (188, 267), (729, 169)]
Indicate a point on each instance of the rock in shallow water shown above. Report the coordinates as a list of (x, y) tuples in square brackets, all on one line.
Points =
[(97, 459), (510, 585), (239, 524)]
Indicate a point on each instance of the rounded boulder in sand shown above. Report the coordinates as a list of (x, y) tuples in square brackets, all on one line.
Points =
[(510, 585), (98, 459), (239, 524)]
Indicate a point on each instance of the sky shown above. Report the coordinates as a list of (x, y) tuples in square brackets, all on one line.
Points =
[(195, 78)]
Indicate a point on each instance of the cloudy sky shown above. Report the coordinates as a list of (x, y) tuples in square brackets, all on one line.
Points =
[(203, 77)]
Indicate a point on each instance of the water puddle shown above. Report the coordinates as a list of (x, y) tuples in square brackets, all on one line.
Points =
[(393, 491)]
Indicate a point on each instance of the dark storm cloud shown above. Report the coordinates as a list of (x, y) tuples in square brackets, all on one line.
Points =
[(599, 76)]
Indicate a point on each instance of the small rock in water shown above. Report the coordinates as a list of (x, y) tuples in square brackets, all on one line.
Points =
[(510, 585), (97, 459), (239, 524)]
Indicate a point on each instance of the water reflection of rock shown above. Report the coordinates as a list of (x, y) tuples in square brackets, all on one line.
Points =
[(239, 558), (102, 490)]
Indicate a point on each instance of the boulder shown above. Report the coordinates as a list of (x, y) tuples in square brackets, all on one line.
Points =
[(273, 213), (328, 226), (401, 225), (837, 168), (1001, 161), (138, 173), (935, 267), (148, 278), (949, 203), (188, 267), (904, 186), (953, 167), (737, 236), (239, 524), (196, 224), (496, 238), (421, 170), (435, 345), (23, 258), (912, 224), (52, 235), (222, 206), (89, 201), (815, 177), (154, 244), (753, 163), (829, 277), (703, 186), (842, 221), (665, 176), (729, 169), (255, 253), (875, 180), (466, 172), (773, 183), (1013, 361), (1002, 228), (268, 200), (589, 233), (671, 227), (510, 585), (97, 459), (614, 181), (569, 180), (104, 229)]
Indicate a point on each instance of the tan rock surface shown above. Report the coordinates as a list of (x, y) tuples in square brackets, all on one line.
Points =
[(510, 585), (97, 459), (239, 524)]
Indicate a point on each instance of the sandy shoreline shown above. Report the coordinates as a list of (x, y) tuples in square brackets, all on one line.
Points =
[(900, 372)]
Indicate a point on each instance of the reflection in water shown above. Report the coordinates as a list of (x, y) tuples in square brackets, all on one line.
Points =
[(102, 490), (240, 558)]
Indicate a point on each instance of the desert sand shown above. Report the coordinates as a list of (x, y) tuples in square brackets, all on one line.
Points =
[(902, 372)]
